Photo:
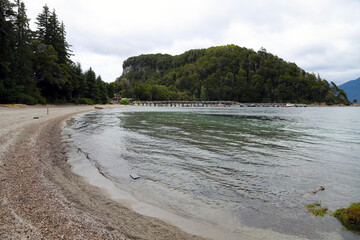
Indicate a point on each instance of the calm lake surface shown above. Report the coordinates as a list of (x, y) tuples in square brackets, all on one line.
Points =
[(231, 166)]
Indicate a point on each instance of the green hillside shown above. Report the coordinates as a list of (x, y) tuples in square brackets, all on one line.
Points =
[(224, 73)]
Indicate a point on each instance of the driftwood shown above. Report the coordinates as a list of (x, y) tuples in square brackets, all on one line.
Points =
[(313, 192), (79, 150), (320, 188)]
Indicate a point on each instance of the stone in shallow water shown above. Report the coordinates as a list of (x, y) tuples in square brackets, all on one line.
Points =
[(134, 176)]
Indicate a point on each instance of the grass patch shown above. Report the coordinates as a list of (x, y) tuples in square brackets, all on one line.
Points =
[(349, 217), (316, 209), (12, 105)]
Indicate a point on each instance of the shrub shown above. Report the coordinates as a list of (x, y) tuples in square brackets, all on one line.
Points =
[(125, 101), (74, 100), (60, 101), (87, 101), (27, 99), (41, 100)]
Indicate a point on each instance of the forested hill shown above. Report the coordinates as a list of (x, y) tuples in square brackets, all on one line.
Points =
[(224, 73)]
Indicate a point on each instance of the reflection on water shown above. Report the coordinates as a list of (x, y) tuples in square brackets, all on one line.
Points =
[(231, 166)]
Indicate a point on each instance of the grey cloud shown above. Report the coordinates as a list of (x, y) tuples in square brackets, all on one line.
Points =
[(320, 36)]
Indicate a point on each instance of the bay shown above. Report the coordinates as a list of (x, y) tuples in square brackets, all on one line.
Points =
[(232, 166)]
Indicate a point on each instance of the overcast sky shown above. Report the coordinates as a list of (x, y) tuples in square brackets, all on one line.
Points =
[(321, 36)]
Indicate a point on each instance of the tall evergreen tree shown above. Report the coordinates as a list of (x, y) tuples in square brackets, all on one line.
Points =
[(43, 25), (7, 17), (23, 57), (92, 86), (62, 46), (52, 52), (102, 90), (52, 32), (51, 77), (78, 81), (83, 88)]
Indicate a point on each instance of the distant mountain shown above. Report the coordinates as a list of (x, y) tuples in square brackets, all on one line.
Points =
[(352, 89)]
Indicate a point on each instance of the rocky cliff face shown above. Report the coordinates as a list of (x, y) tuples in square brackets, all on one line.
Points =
[(131, 68), (149, 62), (127, 69)]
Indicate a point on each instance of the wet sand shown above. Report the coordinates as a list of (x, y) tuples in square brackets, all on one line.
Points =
[(41, 198)]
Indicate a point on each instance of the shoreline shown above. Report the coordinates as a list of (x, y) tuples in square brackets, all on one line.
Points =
[(323, 104), (41, 198)]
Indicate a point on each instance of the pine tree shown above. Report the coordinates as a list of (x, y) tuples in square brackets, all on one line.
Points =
[(6, 50), (102, 90), (23, 58), (51, 77), (83, 88), (53, 68), (62, 46), (93, 92), (77, 81), (42, 32), (52, 32)]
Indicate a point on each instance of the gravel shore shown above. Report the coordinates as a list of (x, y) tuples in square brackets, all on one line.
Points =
[(41, 198)]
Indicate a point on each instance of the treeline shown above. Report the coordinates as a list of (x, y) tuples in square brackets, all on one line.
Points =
[(35, 66), (224, 73)]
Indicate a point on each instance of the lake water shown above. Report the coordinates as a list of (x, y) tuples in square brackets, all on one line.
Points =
[(231, 166)]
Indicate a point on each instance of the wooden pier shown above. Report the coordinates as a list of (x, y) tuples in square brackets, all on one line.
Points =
[(209, 104), (183, 103)]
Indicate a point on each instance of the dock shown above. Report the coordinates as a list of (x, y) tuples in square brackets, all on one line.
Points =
[(209, 104)]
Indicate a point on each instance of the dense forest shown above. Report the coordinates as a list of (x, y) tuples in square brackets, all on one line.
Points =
[(224, 73), (35, 66)]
